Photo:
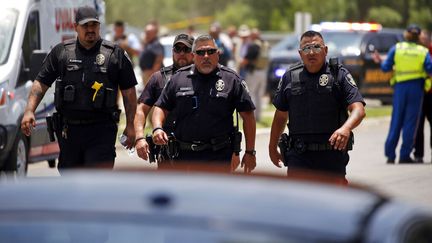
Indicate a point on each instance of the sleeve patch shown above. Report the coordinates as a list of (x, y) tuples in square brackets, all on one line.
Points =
[(243, 83), (349, 78)]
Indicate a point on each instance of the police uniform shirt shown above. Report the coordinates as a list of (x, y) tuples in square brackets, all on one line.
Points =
[(153, 89), (348, 88), (120, 70), (347, 93), (204, 103)]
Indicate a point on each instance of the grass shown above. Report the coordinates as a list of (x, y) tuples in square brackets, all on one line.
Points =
[(379, 111)]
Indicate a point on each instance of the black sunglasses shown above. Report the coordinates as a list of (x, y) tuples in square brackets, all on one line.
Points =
[(178, 49), (204, 51), (315, 48)]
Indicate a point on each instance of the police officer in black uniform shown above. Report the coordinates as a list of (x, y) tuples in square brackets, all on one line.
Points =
[(87, 73), (182, 56), (204, 97), (315, 97)]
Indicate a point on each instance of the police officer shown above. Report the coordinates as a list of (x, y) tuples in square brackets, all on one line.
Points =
[(88, 72), (410, 62), (315, 97), (182, 56), (203, 97)]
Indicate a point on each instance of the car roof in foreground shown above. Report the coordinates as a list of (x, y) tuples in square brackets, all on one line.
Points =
[(277, 204)]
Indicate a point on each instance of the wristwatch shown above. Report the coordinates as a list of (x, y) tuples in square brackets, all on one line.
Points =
[(251, 152)]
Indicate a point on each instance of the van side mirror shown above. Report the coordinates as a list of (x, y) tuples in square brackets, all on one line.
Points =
[(36, 60)]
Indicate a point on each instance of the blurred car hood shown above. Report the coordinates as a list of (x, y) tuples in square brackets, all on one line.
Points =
[(263, 202)]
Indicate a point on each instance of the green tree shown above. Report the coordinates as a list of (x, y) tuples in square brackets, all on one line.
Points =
[(236, 14), (384, 15)]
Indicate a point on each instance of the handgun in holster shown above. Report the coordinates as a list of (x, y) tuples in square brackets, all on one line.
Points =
[(152, 149), (236, 142), (50, 128), (284, 145), (236, 137), (173, 147), (54, 125), (350, 141), (115, 115)]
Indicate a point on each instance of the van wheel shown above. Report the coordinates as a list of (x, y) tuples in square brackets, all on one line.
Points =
[(51, 163), (18, 158)]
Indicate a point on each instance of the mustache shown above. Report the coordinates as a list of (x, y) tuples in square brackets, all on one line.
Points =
[(90, 33)]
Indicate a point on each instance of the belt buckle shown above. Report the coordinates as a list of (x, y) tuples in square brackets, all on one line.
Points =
[(299, 146), (194, 147)]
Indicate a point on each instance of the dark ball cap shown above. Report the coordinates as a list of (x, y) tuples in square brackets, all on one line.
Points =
[(414, 29), (184, 39), (86, 14)]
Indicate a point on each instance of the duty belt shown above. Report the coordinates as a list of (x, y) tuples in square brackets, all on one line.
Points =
[(214, 144), (85, 121), (197, 146), (300, 146)]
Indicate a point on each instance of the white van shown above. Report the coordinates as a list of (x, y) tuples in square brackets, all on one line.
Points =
[(28, 31)]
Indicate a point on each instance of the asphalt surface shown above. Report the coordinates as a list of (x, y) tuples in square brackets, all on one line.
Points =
[(411, 183)]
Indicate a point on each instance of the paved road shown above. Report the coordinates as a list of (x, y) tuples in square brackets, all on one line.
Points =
[(412, 183)]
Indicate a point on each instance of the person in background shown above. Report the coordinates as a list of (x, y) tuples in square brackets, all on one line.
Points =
[(410, 62), (224, 47), (243, 45), (128, 42), (425, 40), (151, 57), (254, 65)]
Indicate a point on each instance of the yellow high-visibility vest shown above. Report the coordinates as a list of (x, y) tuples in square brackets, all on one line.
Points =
[(409, 59), (427, 85)]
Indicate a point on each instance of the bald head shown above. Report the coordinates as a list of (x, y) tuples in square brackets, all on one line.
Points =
[(151, 32)]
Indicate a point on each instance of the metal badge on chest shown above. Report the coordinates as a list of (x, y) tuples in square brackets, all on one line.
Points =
[(100, 59), (220, 85), (323, 80)]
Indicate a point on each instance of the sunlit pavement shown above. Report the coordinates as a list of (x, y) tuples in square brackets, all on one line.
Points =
[(367, 166)]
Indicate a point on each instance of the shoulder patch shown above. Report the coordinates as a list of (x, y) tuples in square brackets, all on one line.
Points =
[(279, 84), (349, 78), (243, 83), (127, 56)]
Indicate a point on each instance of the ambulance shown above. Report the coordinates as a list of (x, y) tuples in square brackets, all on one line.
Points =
[(29, 29)]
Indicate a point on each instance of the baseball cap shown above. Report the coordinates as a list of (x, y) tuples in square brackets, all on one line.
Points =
[(184, 39), (86, 14), (413, 29)]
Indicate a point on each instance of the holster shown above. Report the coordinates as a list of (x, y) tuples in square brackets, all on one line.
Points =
[(173, 148), (50, 128), (284, 145), (152, 149), (115, 115), (350, 141), (236, 139), (54, 125)]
